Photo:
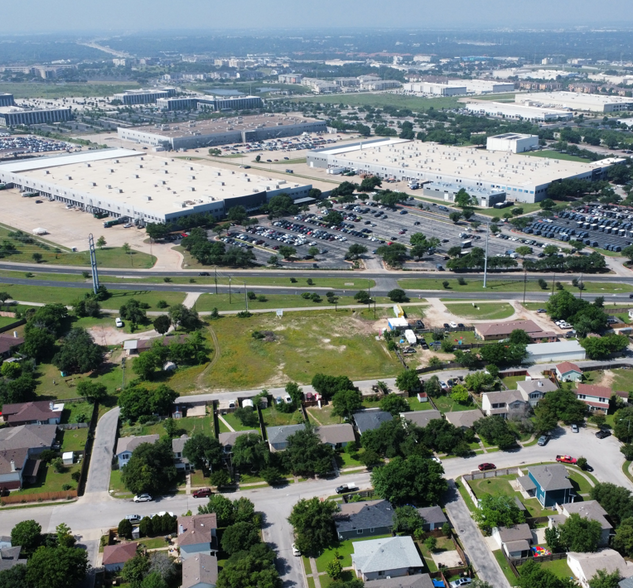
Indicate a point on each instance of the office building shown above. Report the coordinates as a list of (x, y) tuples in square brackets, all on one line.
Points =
[(576, 101), (522, 178), (518, 111), (513, 142), (11, 116), (435, 89), (212, 103), (483, 86), (131, 97), (209, 133), (144, 188), (6, 100)]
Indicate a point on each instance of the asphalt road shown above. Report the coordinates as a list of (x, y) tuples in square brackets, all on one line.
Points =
[(102, 451)]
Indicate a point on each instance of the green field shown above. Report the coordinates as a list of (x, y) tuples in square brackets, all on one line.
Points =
[(304, 344), (120, 297), (484, 310), (54, 254), (507, 285), (549, 154), (526, 206), (51, 90), (509, 97), (398, 100)]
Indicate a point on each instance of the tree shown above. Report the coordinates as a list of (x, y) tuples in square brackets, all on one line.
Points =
[(250, 453), (602, 579), (460, 394), (57, 567), (313, 525), (136, 401), (398, 295), (78, 353), (254, 568), (407, 519), (124, 529), (394, 404), (239, 537), (222, 507), (184, 318), (28, 535), (362, 297), (101, 242), (533, 575), (15, 577), (87, 306), (346, 402), (126, 248), (455, 216), (432, 386), (135, 569), (294, 391), (314, 251), (495, 430), (519, 337), (477, 381), (133, 311), (370, 183), (616, 500), (327, 386), (237, 214), (463, 199), (415, 479), (579, 534), (37, 257), (161, 324), (150, 469), (623, 540), (497, 511), (307, 455), (203, 452), (92, 391), (287, 252), (408, 381), (154, 580), (602, 347), (394, 254)]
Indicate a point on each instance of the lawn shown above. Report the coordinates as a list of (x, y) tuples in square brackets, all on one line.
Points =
[(549, 154), (580, 483), (52, 253), (187, 425), (50, 481), (324, 416), (67, 89), (345, 550), (75, 439), (417, 104), (120, 297), (511, 381), (117, 487), (618, 379), (304, 344), (505, 567), (447, 404), (415, 404), (7, 320), (558, 567), (490, 311), (236, 423), (275, 418)]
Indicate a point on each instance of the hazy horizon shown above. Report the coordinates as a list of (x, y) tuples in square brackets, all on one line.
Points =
[(116, 16)]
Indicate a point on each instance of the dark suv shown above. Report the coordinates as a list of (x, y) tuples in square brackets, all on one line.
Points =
[(603, 433)]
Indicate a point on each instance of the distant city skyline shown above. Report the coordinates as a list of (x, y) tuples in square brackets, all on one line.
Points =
[(38, 16)]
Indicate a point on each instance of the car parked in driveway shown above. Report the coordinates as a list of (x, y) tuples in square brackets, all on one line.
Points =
[(543, 439), (574, 428), (486, 466), (603, 434), (461, 582)]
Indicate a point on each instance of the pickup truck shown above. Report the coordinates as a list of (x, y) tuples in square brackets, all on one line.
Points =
[(565, 459), (346, 488)]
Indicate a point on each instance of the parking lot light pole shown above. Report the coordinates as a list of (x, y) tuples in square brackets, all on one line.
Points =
[(524, 283), (486, 255)]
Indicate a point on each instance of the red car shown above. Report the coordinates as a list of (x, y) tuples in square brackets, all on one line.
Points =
[(565, 459), (202, 493), (486, 466)]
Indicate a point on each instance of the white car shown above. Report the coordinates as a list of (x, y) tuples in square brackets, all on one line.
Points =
[(118, 322), (143, 498), (295, 551), (461, 582), (453, 325)]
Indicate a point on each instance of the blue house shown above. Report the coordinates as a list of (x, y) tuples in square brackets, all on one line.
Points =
[(549, 484)]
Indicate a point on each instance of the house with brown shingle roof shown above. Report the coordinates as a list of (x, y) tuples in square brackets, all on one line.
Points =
[(502, 330), (115, 556), (595, 397), (197, 534), (39, 412)]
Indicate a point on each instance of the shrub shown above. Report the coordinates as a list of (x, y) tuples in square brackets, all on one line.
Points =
[(162, 304)]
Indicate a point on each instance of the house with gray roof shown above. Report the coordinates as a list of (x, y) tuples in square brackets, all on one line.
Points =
[(177, 446), (200, 571), (535, 390), (626, 583), (549, 484), (464, 419), (585, 566), (338, 436), (126, 445), (197, 535), (370, 419), (278, 436), (505, 404), (364, 519), (515, 541), (421, 418), (9, 557), (227, 440), (36, 438), (433, 516), (417, 581), (378, 558), (591, 510)]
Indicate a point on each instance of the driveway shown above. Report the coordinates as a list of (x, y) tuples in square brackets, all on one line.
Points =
[(102, 453), (481, 558)]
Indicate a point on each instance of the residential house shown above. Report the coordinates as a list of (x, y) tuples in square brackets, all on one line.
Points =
[(434, 517), (115, 556), (370, 419), (35, 438), (549, 484), (278, 436), (464, 419), (568, 372), (197, 534), (227, 440), (338, 436), (420, 418), (9, 557), (558, 351), (9, 344), (126, 445), (505, 404), (200, 571), (177, 446), (586, 565), (515, 541), (535, 390), (595, 397), (589, 509), (39, 412), (16, 468), (356, 519), (138, 346), (497, 331), (417, 581), (378, 558), (627, 582)]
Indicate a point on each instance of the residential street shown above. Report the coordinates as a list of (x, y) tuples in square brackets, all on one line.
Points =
[(102, 452)]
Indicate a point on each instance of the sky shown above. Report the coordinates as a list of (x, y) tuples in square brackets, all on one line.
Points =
[(86, 16)]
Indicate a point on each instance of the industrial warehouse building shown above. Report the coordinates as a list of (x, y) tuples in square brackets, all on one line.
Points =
[(11, 116), (522, 178), (208, 133), (512, 142), (459, 87), (435, 89), (145, 188), (576, 101), (518, 111), (131, 97), (212, 103)]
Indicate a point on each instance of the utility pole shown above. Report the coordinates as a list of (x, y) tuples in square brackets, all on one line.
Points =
[(215, 273), (524, 284), (245, 297), (553, 282), (229, 289), (486, 255), (580, 286), (123, 373), (93, 264)]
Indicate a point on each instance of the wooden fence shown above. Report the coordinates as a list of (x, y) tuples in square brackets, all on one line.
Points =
[(41, 497)]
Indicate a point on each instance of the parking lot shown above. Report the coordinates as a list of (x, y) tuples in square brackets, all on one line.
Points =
[(11, 145)]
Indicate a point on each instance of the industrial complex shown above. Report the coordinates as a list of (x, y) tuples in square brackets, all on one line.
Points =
[(12, 115), (210, 103), (459, 87), (518, 111), (576, 101), (144, 188), (443, 170), (241, 129)]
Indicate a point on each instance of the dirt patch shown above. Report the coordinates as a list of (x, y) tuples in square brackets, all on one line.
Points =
[(605, 378), (112, 336)]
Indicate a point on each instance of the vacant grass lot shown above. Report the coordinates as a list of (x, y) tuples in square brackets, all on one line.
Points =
[(488, 311), (304, 344), (120, 297), (275, 418), (417, 104), (447, 404), (324, 416), (186, 425), (48, 90)]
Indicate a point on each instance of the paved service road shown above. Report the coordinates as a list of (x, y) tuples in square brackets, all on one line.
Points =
[(102, 453), (481, 558)]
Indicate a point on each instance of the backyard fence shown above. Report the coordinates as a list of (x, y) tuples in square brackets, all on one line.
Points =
[(41, 497), (12, 325)]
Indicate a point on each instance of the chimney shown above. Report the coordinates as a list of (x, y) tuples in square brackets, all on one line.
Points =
[(181, 529), (13, 468), (51, 405), (15, 334), (540, 384)]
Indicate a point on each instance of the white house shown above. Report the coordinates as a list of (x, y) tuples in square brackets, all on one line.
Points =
[(595, 397), (504, 403), (515, 541), (586, 565), (380, 558), (126, 446)]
